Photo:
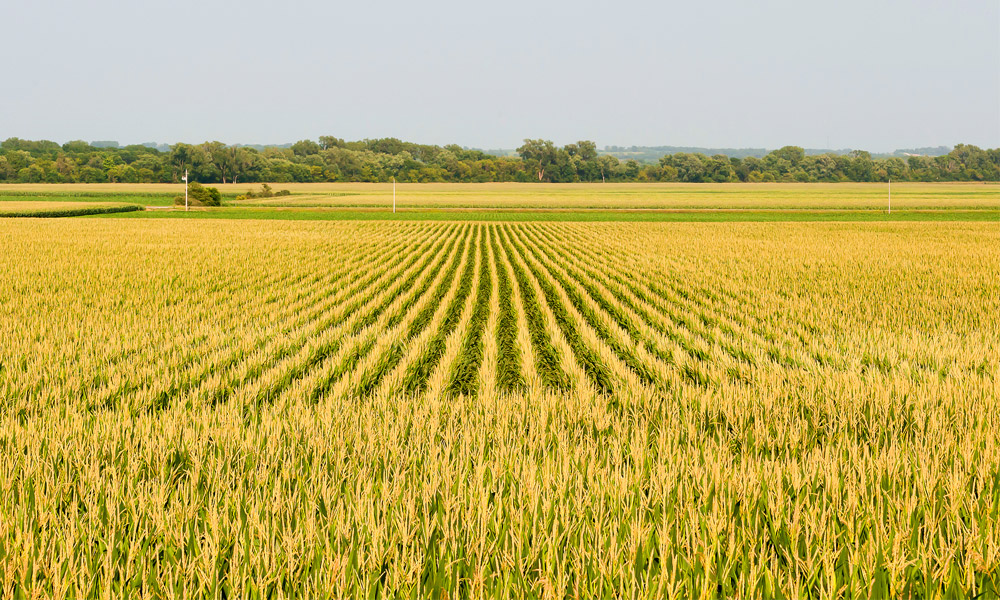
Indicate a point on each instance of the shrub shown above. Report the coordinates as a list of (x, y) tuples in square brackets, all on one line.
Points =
[(199, 195), (265, 192)]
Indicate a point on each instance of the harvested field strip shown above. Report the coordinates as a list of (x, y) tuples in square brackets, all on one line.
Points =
[(40, 210)]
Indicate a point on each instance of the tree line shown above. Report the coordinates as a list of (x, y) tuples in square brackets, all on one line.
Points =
[(379, 160)]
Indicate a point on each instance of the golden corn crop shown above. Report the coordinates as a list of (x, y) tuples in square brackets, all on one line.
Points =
[(285, 409)]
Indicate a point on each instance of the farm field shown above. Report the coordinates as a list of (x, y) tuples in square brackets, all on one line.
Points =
[(310, 408), (519, 196)]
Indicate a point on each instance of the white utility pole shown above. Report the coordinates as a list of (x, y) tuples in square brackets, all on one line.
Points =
[(393, 195), (185, 190), (890, 195)]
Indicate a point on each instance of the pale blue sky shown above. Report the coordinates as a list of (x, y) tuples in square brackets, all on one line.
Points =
[(878, 74)]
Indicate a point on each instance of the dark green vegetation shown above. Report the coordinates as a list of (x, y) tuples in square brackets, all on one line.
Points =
[(200, 195), (265, 191), (379, 160), (70, 212)]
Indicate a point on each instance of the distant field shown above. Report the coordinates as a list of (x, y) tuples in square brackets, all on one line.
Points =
[(555, 410), (553, 215), (515, 196)]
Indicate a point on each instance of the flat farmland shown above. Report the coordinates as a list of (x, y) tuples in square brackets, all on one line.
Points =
[(644, 196), (556, 197), (268, 408)]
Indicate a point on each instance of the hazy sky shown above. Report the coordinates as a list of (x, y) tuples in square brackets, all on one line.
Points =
[(872, 74)]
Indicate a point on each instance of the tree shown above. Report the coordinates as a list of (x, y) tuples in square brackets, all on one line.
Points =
[(861, 167), (895, 168), (18, 159), (587, 150), (31, 174), (305, 148), (608, 165), (328, 141), (792, 154), (203, 168), (180, 158), (199, 195), (333, 159), (631, 169), (690, 167), (219, 155), (240, 161), (540, 154), (719, 169), (77, 147)]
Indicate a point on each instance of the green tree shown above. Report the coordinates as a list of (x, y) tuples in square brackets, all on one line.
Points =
[(587, 150), (77, 147), (180, 158), (861, 166), (18, 159), (31, 174), (793, 154), (328, 141), (539, 154), (305, 148)]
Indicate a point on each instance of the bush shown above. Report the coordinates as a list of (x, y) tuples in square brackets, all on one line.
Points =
[(199, 195), (265, 192)]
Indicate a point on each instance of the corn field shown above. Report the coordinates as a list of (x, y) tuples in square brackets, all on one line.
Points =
[(270, 409)]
